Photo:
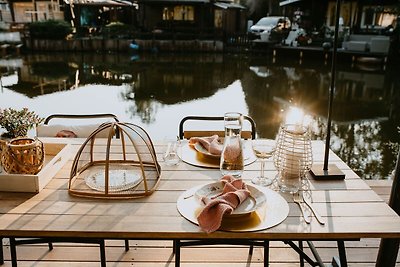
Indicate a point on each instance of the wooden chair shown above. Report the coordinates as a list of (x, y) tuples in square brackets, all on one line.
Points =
[(47, 130), (186, 134), (92, 122)]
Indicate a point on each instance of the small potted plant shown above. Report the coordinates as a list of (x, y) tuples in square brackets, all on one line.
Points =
[(18, 122)]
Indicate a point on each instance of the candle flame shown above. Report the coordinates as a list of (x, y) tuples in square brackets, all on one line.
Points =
[(295, 116)]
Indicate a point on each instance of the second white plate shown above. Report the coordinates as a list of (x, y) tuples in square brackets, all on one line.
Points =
[(119, 180), (202, 150), (252, 203)]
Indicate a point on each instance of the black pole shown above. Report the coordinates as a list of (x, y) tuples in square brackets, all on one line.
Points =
[(389, 247), (332, 87), (320, 171)]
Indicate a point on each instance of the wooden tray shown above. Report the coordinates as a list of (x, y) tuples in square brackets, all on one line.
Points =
[(56, 155)]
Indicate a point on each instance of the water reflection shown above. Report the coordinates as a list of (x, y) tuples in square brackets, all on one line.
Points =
[(156, 91)]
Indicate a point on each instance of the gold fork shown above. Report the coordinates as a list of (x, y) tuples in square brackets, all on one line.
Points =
[(314, 211), (299, 200)]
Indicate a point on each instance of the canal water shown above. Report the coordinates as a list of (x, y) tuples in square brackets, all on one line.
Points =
[(156, 90)]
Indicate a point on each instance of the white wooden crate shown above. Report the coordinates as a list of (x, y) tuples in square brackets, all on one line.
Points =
[(56, 155)]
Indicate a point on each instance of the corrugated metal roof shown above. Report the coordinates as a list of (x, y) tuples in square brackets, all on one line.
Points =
[(176, 1), (228, 5), (287, 2), (100, 2)]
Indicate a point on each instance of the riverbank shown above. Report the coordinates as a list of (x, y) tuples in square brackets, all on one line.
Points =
[(235, 45), (179, 42)]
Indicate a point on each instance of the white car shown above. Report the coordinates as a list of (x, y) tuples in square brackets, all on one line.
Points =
[(266, 25)]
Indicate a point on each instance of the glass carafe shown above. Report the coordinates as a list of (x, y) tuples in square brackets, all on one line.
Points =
[(232, 152)]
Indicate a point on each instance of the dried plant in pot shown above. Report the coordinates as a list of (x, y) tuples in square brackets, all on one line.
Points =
[(115, 168)]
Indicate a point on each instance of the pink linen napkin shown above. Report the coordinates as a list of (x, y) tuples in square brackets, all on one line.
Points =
[(210, 143), (66, 133), (233, 194)]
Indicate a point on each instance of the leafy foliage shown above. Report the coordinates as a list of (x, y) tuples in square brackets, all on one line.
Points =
[(50, 29), (18, 122), (117, 30)]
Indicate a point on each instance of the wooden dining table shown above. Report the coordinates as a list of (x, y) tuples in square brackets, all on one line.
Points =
[(350, 208)]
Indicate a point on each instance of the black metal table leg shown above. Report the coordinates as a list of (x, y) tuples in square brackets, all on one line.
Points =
[(14, 242), (388, 250), (1, 252), (301, 255), (315, 253), (251, 250), (177, 245), (342, 253), (126, 244), (102, 253), (13, 251), (266, 253)]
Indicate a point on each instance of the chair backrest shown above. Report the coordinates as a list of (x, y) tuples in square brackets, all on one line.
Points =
[(81, 130), (186, 134)]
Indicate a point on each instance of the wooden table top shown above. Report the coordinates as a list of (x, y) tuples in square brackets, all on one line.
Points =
[(350, 208)]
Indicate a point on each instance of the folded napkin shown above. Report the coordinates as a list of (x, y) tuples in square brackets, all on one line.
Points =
[(210, 143), (233, 194), (66, 133)]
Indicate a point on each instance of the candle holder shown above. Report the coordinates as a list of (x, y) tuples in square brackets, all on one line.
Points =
[(293, 156), (22, 155)]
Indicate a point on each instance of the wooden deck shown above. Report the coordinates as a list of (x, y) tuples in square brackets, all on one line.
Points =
[(159, 253)]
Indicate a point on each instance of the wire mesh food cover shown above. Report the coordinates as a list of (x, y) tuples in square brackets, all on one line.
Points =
[(293, 152), (114, 168)]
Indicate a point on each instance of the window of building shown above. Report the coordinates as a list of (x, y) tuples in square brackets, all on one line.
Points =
[(218, 18), (183, 12), (377, 16)]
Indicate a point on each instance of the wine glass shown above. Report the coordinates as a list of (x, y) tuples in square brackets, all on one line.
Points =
[(263, 149)]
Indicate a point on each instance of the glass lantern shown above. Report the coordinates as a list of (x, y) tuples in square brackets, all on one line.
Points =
[(293, 156)]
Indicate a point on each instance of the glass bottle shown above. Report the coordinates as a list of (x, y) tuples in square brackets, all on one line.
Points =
[(232, 152)]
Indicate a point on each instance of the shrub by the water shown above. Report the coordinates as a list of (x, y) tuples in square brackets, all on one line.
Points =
[(117, 30), (50, 29)]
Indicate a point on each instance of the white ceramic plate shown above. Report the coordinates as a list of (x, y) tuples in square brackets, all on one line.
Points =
[(274, 210), (119, 180), (253, 202), (201, 149), (190, 155)]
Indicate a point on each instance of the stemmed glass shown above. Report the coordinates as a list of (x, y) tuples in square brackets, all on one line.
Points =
[(171, 156), (263, 149)]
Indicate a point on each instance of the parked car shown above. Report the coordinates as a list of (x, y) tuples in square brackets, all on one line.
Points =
[(271, 28)]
